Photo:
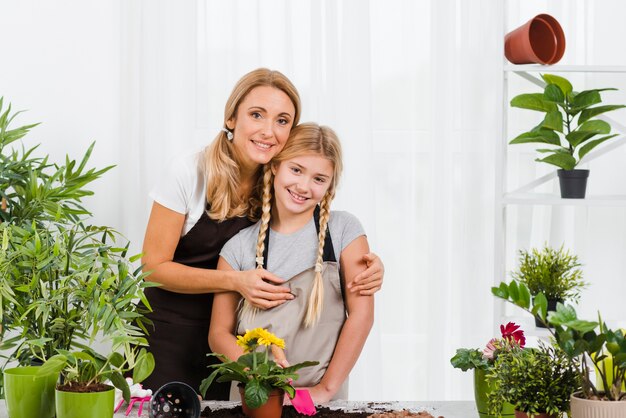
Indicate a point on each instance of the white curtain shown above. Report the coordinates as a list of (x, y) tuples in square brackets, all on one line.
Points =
[(414, 89)]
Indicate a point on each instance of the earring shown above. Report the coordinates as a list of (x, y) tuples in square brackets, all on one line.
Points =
[(229, 134)]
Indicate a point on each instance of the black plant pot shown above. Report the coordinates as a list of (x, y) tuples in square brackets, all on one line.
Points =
[(573, 183), (551, 308)]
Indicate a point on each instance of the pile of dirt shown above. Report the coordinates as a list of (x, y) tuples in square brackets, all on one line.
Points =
[(322, 412)]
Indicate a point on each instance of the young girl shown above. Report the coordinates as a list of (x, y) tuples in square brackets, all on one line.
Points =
[(299, 237)]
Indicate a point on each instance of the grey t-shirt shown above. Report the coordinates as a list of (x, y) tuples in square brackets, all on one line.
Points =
[(290, 254)]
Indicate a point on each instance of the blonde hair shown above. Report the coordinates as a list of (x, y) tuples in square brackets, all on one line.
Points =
[(307, 138), (221, 167)]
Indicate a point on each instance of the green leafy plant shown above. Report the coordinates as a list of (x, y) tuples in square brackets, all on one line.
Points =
[(569, 127), (533, 380), (581, 340), (87, 370), (254, 370), (553, 272), (64, 282), (472, 358)]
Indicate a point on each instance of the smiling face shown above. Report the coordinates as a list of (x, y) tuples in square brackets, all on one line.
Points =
[(300, 183), (261, 126)]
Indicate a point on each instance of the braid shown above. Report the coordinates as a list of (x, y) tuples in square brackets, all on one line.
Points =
[(316, 300), (266, 209)]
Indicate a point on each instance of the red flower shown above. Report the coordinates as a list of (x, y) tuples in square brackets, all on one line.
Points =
[(512, 333)]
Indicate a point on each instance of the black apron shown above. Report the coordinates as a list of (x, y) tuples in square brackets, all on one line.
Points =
[(179, 339)]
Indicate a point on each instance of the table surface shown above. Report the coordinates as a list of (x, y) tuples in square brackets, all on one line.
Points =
[(447, 409)]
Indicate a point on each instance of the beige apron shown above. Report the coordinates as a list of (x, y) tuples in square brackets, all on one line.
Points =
[(316, 343)]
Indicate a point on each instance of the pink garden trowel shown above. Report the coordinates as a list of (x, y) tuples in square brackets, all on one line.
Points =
[(303, 403)]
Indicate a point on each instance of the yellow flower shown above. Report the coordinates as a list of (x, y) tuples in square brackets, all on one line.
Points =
[(267, 338), (258, 336)]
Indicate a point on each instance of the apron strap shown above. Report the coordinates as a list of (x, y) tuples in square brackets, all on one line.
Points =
[(329, 251)]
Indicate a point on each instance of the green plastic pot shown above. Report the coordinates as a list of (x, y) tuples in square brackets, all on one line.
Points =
[(81, 405), (27, 395), (481, 389)]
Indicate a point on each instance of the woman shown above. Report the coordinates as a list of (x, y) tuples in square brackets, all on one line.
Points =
[(207, 198)]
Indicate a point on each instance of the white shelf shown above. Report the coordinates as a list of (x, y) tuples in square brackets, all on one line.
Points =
[(550, 199), (565, 68)]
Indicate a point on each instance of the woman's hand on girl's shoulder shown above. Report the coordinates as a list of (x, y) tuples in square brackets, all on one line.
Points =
[(370, 280), (260, 288)]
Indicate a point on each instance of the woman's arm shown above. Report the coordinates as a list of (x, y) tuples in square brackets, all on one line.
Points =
[(224, 320), (162, 236), (356, 328)]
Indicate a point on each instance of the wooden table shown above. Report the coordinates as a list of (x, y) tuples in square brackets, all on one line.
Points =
[(447, 409)]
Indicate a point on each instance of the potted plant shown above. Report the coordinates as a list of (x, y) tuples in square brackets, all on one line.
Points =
[(482, 362), (538, 382), (83, 391), (262, 382), (553, 272), (590, 343), (63, 281), (569, 130)]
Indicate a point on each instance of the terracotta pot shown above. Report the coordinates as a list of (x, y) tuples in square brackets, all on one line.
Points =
[(273, 408), (586, 408), (520, 414), (540, 40)]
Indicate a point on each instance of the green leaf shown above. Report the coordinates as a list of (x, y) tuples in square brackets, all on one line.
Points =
[(543, 136), (524, 296), (565, 161), (144, 367), (552, 93), (533, 101), (256, 393), (204, 385), (541, 304), (514, 292), (584, 150), (576, 138), (562, 83), (596, 125), (119, 382), (594, 111), (502, 291), (554, 121), (584, 99)]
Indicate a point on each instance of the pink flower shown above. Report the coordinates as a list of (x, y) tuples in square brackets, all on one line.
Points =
[(489, 351), (512, 333)]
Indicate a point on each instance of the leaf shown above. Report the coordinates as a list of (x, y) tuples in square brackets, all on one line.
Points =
[(144, 367), (533, 101), (576, 138), (514, 292), (553, 93), (594, 111), (554, 121), (562, 83), (565, 161), (204, 385), (524, 296), (584, 99), (256, 393), (502, 291), (584, 150), (119, 382), (543, 136), (541, 304)]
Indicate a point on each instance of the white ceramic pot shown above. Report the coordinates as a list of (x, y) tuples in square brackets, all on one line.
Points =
[(585, 408)]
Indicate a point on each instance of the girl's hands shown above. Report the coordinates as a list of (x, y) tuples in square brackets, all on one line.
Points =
[(370, 280), (255, 287)]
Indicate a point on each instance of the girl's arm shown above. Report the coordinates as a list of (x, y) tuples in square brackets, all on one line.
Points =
[(356, 328), (222, 330), (162, 236)]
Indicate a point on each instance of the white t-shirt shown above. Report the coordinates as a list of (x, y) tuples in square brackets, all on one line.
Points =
[(182, 188)]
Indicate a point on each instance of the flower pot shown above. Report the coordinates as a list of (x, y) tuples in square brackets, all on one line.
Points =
[(27, 395), (573, 183), (551, 308), (481, 389), (520, 414), (86, 404), (175, 399), (586, 408), (540, 40), (273, 408)]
